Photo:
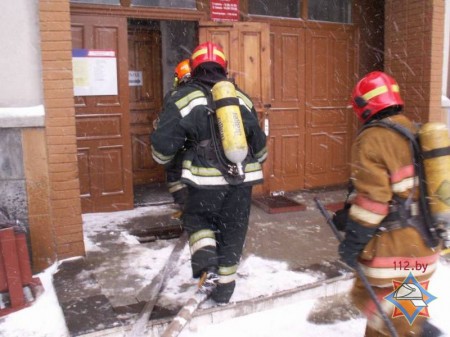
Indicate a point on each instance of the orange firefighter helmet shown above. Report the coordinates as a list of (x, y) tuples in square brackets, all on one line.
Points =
[(182, 72)]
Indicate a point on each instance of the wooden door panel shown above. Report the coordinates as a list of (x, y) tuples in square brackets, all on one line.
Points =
[(102, 122), (340, 143), (144, 50), (84, 172), (253, 72), (111, 163), (318, 145), (329, 76), (330, 152), (246, 46), (286, 116)]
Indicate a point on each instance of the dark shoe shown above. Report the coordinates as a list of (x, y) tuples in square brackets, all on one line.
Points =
[(223, 292)]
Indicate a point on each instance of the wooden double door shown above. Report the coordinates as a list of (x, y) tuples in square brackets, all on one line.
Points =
[(300, 79), (305, 75), (311, 126)]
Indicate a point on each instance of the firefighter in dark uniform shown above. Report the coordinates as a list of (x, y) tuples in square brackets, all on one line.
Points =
[(216, 213), (377, 236), (177, 189)]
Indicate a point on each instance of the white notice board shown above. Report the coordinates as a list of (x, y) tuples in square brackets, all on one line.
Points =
[(94, 72)]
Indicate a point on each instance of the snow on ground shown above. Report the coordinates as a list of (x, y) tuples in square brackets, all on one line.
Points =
[(257, 277)]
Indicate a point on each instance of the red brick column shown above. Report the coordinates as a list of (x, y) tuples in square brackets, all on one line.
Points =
[(414, 31), (64, 211)]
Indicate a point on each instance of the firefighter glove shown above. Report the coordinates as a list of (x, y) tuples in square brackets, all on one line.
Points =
[(356, 238), (341, 216)]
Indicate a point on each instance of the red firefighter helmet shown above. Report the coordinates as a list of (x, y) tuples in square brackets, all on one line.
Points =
[(182, 72), (208, 52), (374, 92)]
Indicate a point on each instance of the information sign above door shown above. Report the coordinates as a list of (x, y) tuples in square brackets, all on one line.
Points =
[(224, 10)]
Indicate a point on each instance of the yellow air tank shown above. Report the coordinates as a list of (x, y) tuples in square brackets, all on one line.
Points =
[(230, 123), (434, 142)]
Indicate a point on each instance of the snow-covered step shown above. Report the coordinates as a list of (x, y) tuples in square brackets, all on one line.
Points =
[(216, 314)]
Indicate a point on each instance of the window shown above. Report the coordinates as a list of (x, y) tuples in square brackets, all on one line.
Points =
[(319, 10), (282, 8), (330, 10), (165, 3)]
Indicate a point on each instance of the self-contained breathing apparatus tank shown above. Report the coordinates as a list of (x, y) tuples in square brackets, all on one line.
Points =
[(435, 146), (230, 123)]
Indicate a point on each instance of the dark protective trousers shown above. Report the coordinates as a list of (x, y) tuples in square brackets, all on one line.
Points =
[(224, 214)]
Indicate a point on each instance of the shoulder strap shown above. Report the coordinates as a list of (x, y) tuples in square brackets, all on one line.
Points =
[(228, 169), (405, 132), (429, 232), (393, 126)]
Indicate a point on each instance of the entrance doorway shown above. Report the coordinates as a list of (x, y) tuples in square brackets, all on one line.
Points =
[(154, 50), (145, 90)]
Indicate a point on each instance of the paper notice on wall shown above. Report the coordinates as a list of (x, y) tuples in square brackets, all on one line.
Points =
[(135, 78), (94, 72), (224, 10)]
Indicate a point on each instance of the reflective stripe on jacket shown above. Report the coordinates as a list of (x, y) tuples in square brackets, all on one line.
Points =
[(382, 167), (185, 122)]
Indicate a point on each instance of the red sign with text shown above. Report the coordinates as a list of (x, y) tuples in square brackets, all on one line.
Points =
[(225, 10)]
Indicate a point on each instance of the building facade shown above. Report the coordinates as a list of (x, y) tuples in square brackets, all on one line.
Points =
[(66, 150)]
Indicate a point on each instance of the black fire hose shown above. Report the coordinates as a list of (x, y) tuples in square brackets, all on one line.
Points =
[(359, 271)]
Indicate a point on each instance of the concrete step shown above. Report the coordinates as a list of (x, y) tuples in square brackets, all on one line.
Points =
[(321, 289)]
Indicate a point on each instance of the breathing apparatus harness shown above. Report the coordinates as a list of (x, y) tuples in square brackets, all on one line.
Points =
[(212, 149), (406, 212)]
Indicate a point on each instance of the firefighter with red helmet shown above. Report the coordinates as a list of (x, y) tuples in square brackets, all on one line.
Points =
[(216, 213), (383, 228)]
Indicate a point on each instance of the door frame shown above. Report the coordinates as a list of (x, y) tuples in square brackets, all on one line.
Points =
[(149, 13)]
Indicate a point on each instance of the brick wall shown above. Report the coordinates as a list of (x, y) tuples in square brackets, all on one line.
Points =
[(368, 15), (413, 54), (64, 192)]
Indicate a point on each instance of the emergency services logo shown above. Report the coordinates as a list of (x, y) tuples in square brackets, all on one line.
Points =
[(410, 298)]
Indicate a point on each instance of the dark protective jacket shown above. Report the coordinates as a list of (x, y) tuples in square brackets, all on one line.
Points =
[(185, 123), (173, 169)]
